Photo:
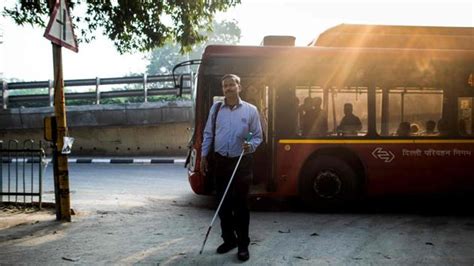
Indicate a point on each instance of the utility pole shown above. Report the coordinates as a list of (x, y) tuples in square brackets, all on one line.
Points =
[(61, 173), (59, 31)]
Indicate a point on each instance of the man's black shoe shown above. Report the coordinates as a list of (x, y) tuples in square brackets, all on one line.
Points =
[(243, 254), (226, 247)]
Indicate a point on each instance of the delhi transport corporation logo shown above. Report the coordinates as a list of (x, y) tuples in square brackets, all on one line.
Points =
[(386, 156)]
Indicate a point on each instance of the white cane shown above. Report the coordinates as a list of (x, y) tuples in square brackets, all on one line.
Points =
[(225, 193)]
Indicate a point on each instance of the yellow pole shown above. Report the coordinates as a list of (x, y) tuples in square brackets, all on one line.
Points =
[(61, 173), (61, 165)]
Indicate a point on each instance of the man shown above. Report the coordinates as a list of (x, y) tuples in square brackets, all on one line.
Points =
[(313, 118), (234, 121), (404, 129), (430, 127), (321, 124), (350, 123)]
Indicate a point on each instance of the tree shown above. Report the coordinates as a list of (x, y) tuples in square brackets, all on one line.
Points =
[(133, 25), (162, 60)]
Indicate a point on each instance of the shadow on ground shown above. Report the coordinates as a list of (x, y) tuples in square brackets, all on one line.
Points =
[(433, 205)]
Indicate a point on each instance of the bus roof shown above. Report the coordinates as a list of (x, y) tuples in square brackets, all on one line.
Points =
[(429, 67), (389, 36), (215, 51)]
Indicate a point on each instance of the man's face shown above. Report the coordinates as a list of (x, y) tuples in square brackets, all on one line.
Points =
[(317, 102), (230, 88), (347, 109)]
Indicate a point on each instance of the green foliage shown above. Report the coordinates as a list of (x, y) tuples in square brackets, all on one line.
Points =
[(162, 60), (131, 25), (28, 92), (79, 102)]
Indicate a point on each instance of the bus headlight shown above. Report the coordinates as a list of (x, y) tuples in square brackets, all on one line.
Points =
[(192, 160)]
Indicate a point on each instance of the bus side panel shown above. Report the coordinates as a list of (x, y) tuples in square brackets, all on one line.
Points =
[(290, 159), (390, 168), (419, 168)]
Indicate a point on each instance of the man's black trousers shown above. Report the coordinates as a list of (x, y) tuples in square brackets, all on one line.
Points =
[(234, 213)]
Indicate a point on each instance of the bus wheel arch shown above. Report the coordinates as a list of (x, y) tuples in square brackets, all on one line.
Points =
[(331, 178)]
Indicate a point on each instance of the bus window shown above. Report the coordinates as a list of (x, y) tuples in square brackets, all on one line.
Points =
[(347, 111), (409, 112), (465, 116)]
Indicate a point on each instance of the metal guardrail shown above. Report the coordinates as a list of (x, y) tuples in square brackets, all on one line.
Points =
[(164, 85), (21, 172)]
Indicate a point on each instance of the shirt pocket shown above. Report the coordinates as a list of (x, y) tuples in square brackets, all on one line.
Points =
[(244, 128)]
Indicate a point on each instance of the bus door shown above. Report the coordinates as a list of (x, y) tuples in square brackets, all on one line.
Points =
[(256, 90), (284, 122)]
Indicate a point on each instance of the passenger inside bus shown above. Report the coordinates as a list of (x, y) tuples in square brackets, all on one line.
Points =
[(403, 129), (430, 128), (414, 129), (462, 128), (313, 120), (307, 116), (350, 123), (443, 127)]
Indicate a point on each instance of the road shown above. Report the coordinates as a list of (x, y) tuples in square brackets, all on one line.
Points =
[(147, 214), (100, 186)]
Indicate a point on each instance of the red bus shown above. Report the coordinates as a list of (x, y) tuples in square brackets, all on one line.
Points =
[(394, 76)]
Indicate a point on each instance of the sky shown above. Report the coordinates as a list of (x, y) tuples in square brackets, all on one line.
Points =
[(26, 55)]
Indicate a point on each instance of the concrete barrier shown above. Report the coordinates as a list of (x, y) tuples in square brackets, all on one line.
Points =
[(145, 129)]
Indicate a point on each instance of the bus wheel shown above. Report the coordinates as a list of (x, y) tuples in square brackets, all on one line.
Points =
[(328, 182)]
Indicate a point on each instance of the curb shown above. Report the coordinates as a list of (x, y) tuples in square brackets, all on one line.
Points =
[(102, 160)]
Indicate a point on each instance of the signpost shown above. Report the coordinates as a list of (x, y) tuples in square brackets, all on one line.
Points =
[(60, 29), (60, 32)]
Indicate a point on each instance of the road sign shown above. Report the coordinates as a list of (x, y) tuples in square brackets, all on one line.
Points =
[(60, 29)]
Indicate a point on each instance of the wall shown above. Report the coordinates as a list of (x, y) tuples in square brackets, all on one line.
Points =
[(146, 129)]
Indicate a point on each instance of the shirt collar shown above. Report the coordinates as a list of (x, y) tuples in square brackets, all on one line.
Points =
[(238, 104)]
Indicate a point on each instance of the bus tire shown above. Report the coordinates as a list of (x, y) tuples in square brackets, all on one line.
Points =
[(328, 182)]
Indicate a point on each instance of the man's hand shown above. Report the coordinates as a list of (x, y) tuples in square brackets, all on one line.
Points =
[(246, 147), (203, 165)]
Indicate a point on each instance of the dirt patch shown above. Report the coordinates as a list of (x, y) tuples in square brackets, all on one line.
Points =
[(12, 215), (171, 232)]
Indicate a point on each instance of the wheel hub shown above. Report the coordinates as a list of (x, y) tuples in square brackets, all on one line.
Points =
[(327, 184)]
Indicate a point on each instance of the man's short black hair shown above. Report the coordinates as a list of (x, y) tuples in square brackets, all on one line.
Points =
[(231, 76)]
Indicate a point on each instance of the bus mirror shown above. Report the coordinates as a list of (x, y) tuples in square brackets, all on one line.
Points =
[(179, 86)]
